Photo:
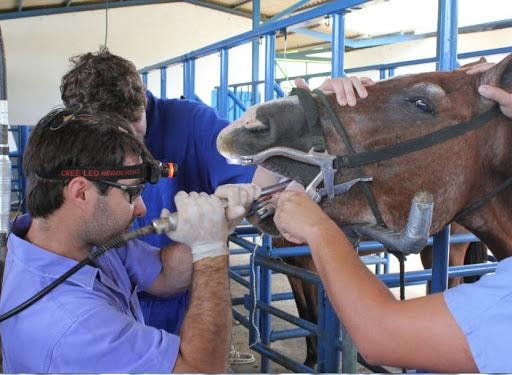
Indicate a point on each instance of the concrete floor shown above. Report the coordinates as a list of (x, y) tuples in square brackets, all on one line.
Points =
[(293, 348)]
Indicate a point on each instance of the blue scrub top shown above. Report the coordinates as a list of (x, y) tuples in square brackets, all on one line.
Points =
[(92, 322), (483, 311), (185, 132)]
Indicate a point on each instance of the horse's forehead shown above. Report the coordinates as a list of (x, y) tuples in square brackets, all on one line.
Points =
[(252, 116)]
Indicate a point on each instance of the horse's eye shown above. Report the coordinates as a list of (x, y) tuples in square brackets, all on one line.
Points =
[(423, 105)]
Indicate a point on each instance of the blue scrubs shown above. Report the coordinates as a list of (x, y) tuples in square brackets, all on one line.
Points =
[(483, 311), (92, 322), (183, 132)]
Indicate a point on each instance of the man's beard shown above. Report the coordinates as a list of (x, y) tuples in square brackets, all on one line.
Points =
[(104, 225)]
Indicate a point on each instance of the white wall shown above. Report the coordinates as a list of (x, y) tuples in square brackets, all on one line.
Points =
[(38, 48)]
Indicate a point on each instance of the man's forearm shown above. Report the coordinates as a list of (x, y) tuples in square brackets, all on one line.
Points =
[(363, 297), (207, 326)]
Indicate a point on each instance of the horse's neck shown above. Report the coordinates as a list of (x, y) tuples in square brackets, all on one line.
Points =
[(493, 224)]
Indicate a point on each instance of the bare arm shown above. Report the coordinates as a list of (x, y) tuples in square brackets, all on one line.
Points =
[(203, 225), (417, 333), (176, 275), (206, 329)]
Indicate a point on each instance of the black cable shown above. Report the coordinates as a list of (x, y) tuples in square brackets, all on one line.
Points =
[(99, 251)]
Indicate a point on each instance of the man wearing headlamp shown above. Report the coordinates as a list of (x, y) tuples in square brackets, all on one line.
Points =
[(93, 321)]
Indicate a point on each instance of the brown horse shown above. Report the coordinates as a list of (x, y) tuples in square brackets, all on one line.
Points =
[(468, 173)]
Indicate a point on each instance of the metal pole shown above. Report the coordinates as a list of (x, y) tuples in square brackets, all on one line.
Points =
[(223, 87), (145, 79), (270, 66), (348, 353), (338, 45), (266, 297), (255, 52), (163, 82), (447, 35), (189, 79), (382, 73), (440, 260), (328, 334)]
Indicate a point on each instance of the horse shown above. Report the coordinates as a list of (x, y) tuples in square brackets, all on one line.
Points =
[(429, 132)]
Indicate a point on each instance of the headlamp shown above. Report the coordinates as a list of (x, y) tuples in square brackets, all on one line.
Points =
[(148, 172)]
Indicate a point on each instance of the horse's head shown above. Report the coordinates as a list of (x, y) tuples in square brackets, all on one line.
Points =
[(456, 171)]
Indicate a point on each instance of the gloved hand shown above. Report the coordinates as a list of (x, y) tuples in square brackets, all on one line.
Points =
[(202, 224), (240, 197)]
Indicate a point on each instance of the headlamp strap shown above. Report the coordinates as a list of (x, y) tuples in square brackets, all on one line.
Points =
[(148, 172)]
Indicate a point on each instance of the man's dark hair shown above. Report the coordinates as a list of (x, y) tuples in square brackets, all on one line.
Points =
[(64, 140), (103, 82)]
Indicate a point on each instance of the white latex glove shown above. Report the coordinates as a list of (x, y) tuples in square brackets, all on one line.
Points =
[(239, 199), (202, 224)]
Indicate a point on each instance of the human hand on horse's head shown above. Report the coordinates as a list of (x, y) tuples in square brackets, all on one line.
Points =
[(502, 97), (343, 87)]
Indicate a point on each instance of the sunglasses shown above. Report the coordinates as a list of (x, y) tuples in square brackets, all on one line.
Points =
[(134, 191)]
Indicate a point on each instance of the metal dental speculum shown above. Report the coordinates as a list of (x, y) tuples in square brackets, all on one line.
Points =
[(323, 160)]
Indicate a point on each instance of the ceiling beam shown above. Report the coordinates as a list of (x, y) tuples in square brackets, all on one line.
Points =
[(240, 3), (69, 8)]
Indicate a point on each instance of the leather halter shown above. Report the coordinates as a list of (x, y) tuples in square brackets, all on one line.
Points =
[(355, 160)]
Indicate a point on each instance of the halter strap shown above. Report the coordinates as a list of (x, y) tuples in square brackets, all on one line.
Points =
[(313, 119), (482, 201), (415, 144)]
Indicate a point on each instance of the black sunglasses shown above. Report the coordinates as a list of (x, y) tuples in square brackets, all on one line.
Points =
[(134, 191)]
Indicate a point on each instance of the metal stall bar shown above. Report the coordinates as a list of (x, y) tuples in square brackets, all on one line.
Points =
[(440, 260), (265, 297), (447, 60), (328, 333), (189, 83), (338, 45), (447, 35), (163, 82), (330, 325), (388, 69), (223, 87), (255, 72), (236, 100), (264, 260), (145, 79), (279, 91), (270, 60)]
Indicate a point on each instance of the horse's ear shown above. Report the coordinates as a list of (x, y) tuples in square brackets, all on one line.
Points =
[(472, 64), (499, 75)]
